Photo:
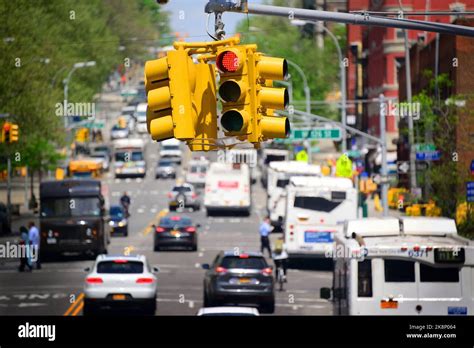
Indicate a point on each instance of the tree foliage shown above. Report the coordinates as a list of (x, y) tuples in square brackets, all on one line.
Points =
[(41, 40)]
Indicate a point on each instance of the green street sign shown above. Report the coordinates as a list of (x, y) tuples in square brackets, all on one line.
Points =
[(316, 133), (425, 147)]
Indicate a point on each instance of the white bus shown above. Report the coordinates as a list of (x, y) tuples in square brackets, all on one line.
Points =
[(406, 266), (228, 188), (129, 155), (278, 178), (268, 156), (316, 208)]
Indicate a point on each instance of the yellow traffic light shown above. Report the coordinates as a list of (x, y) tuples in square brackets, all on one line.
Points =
[(6, 128), (14, 133), (269, 98), (170, 83), (235, 90)]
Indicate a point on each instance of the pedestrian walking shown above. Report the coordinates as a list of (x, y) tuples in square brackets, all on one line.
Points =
[(265, 230), (25, 242), (33, 235)]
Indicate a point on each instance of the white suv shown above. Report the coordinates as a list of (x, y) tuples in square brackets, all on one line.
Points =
[(117, 282)]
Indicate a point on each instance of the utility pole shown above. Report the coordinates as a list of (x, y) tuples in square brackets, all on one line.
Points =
[(383, 144)]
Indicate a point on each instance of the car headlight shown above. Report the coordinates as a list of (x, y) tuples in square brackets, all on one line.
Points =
[(122, 223), (141, 170), (111, 223)]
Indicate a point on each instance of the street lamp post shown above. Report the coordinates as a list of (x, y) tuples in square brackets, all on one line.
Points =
[(66, 84), (307, 91), (342, 72)]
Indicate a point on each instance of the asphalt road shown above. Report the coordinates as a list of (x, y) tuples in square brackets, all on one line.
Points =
[(56, 289)]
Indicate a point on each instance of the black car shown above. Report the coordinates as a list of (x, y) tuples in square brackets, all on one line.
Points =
[(177, 232), (118, 221), (243, 278)]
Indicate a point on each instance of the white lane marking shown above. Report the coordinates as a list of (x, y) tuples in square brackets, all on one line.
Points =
[(127, 180), (115, 194), (153, 192), (118, 181), (191, 304), (138, 180), (200, 255), (197, 265), (140, 211), (153, 210)]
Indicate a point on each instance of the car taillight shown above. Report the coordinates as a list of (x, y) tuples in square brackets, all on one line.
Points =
[(94, 280), (267, 271), (194, 195), (120, 261), (170, 195), (221, 270), (191, 229), (144, 280), (159, 229)]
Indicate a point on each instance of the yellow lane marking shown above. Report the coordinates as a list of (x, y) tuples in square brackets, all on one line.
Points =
[(72, 305), (78, 309), (149, 228)]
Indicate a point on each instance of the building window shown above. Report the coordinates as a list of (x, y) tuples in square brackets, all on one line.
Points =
[(399, 34), (399, 61)]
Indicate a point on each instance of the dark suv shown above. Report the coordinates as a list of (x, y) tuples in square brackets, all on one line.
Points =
[(243, 278)]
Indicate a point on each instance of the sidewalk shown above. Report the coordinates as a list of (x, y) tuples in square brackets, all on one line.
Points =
[(374, 213)]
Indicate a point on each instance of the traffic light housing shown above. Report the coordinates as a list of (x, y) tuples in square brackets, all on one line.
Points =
[(248, 96), (269, 98), (6, 132), (14, 133), (235, 90), (170, 84)]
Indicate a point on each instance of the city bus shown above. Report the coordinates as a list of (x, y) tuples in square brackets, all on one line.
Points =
[(316, 209), (279, 174), (73, 217), (228, 188), (405, 266)]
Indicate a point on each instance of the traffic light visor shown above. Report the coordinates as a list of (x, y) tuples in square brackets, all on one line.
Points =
[(275, 127), (155, 70), (234, 121), (162, 128), (273, 68), (230, 91)]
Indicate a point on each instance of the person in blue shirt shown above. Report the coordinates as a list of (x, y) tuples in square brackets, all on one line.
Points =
[(34, 237), (265, 230)]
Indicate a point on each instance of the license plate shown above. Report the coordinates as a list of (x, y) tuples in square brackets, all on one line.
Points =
[(176, 234), (118, 297), (244, 280), (51, 241)]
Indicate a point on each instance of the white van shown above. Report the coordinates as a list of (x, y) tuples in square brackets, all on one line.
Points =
[(316, 209), (141, 126), (197, 170), (278, 178), (406, 266), (228, 188), (171, 149)]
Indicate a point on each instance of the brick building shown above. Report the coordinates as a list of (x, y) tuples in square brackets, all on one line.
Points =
[(376, 54)]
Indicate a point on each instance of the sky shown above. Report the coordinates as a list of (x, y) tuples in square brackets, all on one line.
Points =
[(188, 16)]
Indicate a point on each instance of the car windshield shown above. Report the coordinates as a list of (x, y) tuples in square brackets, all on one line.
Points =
[(182, 189), (129, 156), (118, 128), (165, 164), (198, 169), (120, 266), (246, 263), (69, 207), (116, 212), (182, 222)]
